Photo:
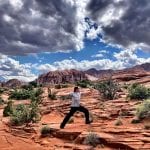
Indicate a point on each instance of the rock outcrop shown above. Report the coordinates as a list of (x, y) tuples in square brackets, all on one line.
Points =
[(139, 72), (99, 73), (13, 83), (59, 77)]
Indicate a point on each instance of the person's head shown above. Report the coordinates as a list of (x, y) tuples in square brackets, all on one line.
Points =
[(76, 89)]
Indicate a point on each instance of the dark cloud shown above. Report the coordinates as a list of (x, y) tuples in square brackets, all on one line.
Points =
[(38, 25), (33, 26), (133, 27)]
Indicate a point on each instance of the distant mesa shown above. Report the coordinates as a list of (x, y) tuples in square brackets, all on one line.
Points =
[(140, 73), (65, 76), (13, 83)]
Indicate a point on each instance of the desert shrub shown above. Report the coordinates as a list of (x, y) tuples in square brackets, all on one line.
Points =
[(23, 94), (45, 131), (27, 87), (36, 95), (135, 121), (33, 84), (125, 86), (52, 94), (2, 90), (84, 83), (64, 85), (25, 114), (1, 101), (8, 110), (38, 92), (118, 122), (143, 110), (30, 86), (37, 99), (138, 92), (92, 139), (108, 89), (34, 112), (59, 86), (20, 115), (20, 94)]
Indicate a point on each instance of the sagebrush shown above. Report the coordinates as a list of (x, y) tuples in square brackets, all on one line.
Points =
[(143, 110), (138, 92), (108, 89)]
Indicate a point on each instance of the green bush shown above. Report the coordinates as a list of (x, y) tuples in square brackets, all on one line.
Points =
[(38, 92), (118, 122), (64, 85), (125, 86), (27, 87), (1, 101), (108, 89), (33, 84), (20, 115), (8, 110), (37, 99), (25, 114), (84, 83), (45, 131), (52, 94), (20, 94), (138, 92), (34, 112), (2, 90), (143, 110), (92, 139), (59, 86), (23, 94)]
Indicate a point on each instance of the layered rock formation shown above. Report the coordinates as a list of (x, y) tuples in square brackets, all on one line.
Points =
[(13, 83), (139, 69), (57, 77), (99, 73)]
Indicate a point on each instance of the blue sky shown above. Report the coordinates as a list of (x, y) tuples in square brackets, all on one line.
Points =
[(90, 48), (39, 36), (89, 52)]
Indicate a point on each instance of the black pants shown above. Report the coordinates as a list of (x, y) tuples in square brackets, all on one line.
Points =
[(72, 111)]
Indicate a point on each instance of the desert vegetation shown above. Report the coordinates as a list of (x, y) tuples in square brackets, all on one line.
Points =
[(23, 114), (84, 83), (138, 92), (1, 101), (59, 86), (113, 106), (52, 94), (92, 139), (22, 94), (108, 89), (8, 109), (45, 131), (2, 90), (143, 110)]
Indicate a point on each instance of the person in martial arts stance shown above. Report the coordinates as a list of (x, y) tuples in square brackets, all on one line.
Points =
[(75, 106)]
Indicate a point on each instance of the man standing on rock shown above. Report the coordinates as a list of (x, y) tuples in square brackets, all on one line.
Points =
[(75, 106)]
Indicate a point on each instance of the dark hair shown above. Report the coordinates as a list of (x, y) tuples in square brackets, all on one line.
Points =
[(75, 89)]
